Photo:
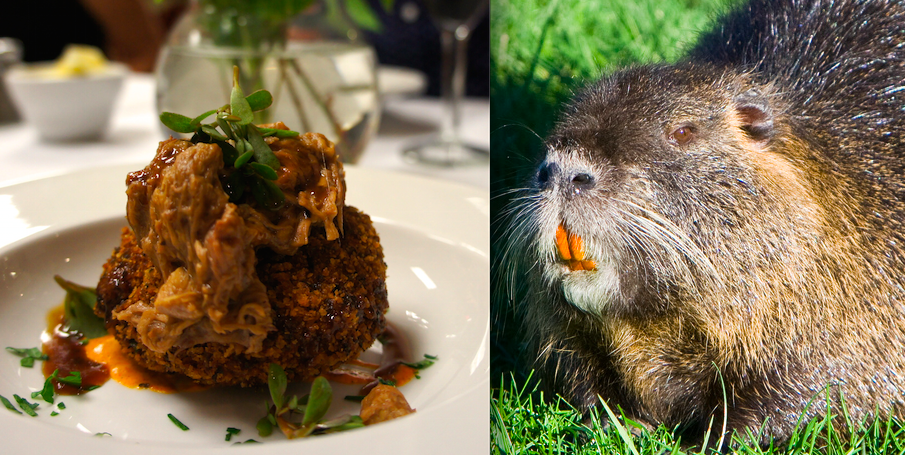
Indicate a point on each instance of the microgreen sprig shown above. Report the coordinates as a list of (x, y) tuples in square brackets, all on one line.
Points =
[(242, 143), (312, 407)]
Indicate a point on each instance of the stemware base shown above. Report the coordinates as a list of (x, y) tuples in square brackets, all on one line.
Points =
[(440, 152)]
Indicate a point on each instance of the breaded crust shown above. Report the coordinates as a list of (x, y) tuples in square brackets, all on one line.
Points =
[(328, 301)]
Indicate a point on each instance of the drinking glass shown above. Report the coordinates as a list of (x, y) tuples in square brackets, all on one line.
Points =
[(455, 19)]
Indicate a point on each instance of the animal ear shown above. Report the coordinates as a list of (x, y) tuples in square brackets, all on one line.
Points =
[(753, 110)]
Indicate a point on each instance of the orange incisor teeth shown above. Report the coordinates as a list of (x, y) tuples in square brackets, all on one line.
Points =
[(562, 244), (571, 250)]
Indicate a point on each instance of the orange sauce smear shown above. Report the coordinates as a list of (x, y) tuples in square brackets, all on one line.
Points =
[(99, 360), (102, 358), (107, 351)]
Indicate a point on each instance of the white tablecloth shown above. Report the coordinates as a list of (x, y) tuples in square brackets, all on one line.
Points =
[(135, 132)]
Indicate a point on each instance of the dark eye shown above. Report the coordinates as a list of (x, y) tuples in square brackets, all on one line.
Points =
[(682, 135)]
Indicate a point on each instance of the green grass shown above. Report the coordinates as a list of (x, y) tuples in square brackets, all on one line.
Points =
[(541, 53)]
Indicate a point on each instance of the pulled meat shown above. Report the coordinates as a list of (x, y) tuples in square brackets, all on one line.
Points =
[(204, 246)]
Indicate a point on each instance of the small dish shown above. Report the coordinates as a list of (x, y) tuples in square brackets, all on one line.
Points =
[(75, 108)]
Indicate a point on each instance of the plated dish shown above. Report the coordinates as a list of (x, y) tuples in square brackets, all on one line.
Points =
[(436, 242)]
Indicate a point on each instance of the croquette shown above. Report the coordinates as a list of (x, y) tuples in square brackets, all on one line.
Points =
[(328, 303)]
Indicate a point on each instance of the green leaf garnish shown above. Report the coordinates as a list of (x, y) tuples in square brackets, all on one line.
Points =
[(212, 133), (340, 424), (277, 384), (176, 422), (265, 426), (243, 158), (277, 132), (238, 105), (178, 123), (263, 154), (29, 408), (8, 405), (266, 172), (241, 142), (74, 379), (196, 122), (29, 355), (318, 401), (78, 309), (259, 100), (47, 392)]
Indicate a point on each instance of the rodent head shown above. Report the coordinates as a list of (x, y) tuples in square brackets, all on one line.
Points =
[(655, 178)]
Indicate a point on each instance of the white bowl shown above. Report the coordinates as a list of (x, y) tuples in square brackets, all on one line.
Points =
[(65, 108)]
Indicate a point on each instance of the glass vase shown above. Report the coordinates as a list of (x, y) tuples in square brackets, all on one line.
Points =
[(323, 79)]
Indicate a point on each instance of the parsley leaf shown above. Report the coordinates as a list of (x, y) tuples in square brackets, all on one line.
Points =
[(9, 405), (29, 355)]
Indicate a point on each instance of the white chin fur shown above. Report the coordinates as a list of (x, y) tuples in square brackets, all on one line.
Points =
[(592, 291)]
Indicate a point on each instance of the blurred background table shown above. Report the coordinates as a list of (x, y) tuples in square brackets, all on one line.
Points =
[(135, 132)]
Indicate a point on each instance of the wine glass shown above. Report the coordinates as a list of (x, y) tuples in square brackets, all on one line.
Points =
[(455, 19)]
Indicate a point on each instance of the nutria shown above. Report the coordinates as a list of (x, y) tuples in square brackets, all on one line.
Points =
[(731, 223)]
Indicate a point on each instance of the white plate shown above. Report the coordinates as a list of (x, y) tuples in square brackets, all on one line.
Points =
[(69, 224)]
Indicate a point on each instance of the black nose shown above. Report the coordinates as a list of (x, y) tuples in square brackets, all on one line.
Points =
[(546, 173), (573, 180)]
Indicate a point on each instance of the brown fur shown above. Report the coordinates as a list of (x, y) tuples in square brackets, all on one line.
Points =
[(763, 255)]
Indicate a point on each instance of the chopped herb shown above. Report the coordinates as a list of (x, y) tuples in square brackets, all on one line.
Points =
[(177, 422), (78, 308), (47, 392), (61, 405), (54, 413), (101, 435), (9, 405), (355, 398), (29, 408), (230, 432), (387, 381), (74, 379), (420, 365), (29, 355), (247, 441)]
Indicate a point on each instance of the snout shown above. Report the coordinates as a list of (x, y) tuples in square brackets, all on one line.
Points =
[(571, 179)]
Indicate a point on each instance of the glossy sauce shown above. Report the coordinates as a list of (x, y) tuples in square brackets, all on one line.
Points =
[(66, 354), (396, 349), (99, 360)]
